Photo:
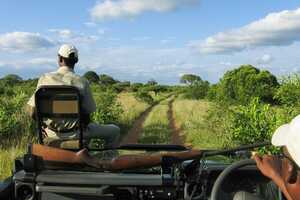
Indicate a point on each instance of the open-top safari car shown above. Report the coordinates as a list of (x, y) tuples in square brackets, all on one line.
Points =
[(78, 171)]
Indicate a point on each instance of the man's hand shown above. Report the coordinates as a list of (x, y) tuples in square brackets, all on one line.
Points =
[(274, 168), (270, 166)]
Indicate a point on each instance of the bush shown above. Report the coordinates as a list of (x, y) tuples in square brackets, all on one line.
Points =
[(212, 92), (108, 109), (136, 86), (257, 122), (197, 90), (13, 120), (253, 123), (289, 91), (143, 95), (92, 77), (242, 84)]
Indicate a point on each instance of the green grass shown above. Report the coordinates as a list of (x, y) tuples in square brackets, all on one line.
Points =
[(156, 127), (190, 116), (132, 108), (8, 154)]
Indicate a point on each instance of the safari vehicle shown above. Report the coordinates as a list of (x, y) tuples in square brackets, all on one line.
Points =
[(163, 172)]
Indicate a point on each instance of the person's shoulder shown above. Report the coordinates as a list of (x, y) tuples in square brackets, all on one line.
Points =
[(81, 79)]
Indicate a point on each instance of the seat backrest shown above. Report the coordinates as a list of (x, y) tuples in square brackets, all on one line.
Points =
[(63, 102)]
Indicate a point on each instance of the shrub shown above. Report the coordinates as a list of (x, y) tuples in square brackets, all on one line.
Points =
[(13, 119), (197, 90), (136, 86), (289, 91), (256, 123), (92, 77), (246, 82), (143, 95), (212, 92), (108, 109), (253, 123)]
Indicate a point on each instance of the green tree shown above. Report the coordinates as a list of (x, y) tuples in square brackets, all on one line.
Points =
[(189, 79), (246, 82), (92, 77), (106, 79), (121, 86), (152, 82), (11, 79), (197, 90), (136, 86)]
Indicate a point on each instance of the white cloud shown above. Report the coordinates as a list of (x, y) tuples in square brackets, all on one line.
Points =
[(265, 59), (63, 33), (226, 63), (103, 31), (141, 39), (109, 9), (90, 24), (69, 36), (23, 41), (276, 29), (42, 61)]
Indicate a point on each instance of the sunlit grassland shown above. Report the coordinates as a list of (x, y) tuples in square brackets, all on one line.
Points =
[(132, 108), (8, 155), (190, 117), (156, 127)]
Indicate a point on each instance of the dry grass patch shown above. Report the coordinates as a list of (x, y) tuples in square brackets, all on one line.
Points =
[(156, 127), (190, 116)]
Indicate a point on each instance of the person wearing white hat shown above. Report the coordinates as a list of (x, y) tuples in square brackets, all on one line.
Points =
[(284, 172), (65, 75)]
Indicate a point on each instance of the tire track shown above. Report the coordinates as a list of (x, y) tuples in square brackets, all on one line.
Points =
[(134, 133), (176, 131)]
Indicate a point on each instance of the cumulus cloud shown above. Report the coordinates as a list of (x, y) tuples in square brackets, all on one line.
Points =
[(42, 61), (90, 24), (265, 59), (69, 36), (63, 33), (276, 29), (141, 39), (23, 41), (110, 9)]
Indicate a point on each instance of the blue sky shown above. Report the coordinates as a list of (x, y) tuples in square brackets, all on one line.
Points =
[(138, 40)]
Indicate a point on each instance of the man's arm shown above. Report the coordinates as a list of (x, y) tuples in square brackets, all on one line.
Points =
[(86, 119), (272, 167)]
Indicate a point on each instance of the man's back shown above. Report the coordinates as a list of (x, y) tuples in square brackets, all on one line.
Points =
[(66, 76)]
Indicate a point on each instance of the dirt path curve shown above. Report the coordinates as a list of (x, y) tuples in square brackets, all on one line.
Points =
[(133, 134), (176, 137)]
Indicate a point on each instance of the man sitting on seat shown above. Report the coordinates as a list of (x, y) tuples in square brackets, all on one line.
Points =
[(65, 76)]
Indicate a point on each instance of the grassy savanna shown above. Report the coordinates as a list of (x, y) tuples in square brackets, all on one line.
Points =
[(155, 128), (190, 117), (131, 107)]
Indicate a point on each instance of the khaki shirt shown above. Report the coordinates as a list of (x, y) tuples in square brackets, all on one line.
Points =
[(66, 76)]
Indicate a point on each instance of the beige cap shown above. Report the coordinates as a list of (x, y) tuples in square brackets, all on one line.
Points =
[(289, 135), (66, 49)]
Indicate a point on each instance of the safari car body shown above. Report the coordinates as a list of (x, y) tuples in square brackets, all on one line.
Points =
[(34, 179)]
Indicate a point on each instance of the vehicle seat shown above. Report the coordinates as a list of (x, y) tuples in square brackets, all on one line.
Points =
[(59, 102)]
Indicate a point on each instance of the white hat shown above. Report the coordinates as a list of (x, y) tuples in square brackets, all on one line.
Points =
[(65, 50), (289, 135)]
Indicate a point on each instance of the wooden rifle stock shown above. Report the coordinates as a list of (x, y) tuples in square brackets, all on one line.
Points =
[(120, 163)]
